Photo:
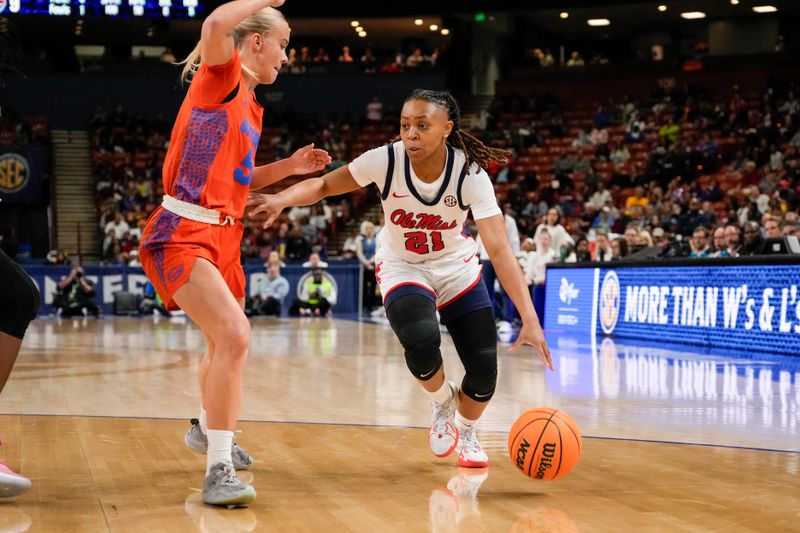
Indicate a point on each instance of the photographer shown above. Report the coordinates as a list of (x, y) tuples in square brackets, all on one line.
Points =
[(75, 295), (315, 296)]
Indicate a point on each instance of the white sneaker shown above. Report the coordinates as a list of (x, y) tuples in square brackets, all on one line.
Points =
[(470, 453), (443, 435)]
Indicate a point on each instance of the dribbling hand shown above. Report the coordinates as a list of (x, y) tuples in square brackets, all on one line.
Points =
[(267, 204), (532, 335)]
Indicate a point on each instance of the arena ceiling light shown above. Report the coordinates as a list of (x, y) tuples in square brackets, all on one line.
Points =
[(355, 23), (433, 27), (598, 22), (564, 15), (418, 22), (362, 33), (359, 29), (735, 2), (765, 9), (693, 15), (445, 31), (662, 8)]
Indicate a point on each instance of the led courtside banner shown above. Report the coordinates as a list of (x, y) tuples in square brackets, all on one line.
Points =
[(737, 306)]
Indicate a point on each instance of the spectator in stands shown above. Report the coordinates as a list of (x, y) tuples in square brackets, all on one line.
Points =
[(790, 228), (719, 246), (366, 246), (118, 226), (753, 241), (548, 60), (368, 61), (575, 60), (601, 196), (322, 56), (710, 191), (733, 237), (598, 136), (619, 249), (75, 295), (315, 296), (661, 241), (315, 262), (620, 153), (345, 56), (638, 198), (602, 246), (631, 236), (582, 252), (375, 110), (699, 243), (535, 270), (415, 59), (584, 138), (772, 229), (270, 292), (558, 235)]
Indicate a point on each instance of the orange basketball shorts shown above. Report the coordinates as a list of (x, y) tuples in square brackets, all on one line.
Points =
[(171, 244)]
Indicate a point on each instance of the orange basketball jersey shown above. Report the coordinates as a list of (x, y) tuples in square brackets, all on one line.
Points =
[(214, 141)]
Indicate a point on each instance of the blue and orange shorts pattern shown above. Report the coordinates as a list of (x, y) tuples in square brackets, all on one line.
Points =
[(171, 244)]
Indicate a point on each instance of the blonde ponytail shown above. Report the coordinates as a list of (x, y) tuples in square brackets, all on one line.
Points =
[(190, 64), (262, 21)]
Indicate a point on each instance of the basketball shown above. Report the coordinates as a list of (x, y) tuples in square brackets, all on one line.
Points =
[(545, 443)]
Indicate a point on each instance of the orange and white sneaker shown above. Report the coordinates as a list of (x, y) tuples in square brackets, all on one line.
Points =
[(443, 435), (11, 483), (470, 452)]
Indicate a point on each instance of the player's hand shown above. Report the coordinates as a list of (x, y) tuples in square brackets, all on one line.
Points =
[(277, 3), (267, 204), (532, 335), (308, 159)]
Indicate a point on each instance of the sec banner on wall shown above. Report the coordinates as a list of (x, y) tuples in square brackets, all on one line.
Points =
[(22, 174), (741, 307)]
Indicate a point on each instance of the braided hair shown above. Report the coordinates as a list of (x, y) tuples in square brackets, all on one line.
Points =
[(473, 148)]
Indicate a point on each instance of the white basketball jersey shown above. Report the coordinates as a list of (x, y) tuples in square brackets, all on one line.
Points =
[(417, 229)]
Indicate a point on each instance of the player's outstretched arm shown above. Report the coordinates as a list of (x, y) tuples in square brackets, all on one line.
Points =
[(307, 192), (216, 42), (304, 161), (495, 239)]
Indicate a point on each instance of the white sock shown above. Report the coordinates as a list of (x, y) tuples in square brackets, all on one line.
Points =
[(464, 423), (203, 421), (219, 447), (442, 395)]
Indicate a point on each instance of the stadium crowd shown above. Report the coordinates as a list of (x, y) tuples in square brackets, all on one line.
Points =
[(681, 174)]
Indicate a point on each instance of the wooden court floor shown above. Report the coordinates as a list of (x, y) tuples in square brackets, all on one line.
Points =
[(96, 410)]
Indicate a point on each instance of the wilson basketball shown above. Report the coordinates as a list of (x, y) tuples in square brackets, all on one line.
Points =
[(544, 443)]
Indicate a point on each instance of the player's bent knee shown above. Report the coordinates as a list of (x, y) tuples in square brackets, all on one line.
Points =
[(480, 384), (413, 319)]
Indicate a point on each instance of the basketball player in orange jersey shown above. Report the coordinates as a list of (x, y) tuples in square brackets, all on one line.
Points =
[(428, 181), (190, 247), (19, 303)]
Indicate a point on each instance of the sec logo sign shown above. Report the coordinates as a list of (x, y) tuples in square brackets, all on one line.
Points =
[(14, 172), (609, 302)]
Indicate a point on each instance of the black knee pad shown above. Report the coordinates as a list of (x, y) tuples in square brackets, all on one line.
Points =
[(413, 319), (475, 337), (19, 298)]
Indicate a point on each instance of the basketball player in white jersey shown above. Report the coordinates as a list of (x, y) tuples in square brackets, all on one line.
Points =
[(428, 181)]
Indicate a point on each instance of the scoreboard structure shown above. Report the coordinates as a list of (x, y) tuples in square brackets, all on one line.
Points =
[(170, 9)]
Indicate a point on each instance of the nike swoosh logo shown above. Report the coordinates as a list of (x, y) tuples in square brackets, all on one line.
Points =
[(482, 395), (428, 374), (468, 259), (395, 195)]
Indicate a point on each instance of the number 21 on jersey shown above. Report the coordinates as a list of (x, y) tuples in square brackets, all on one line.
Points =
[(417, 242)]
